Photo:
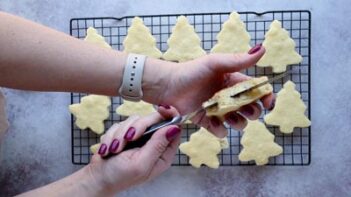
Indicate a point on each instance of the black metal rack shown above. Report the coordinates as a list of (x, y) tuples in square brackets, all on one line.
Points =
[(297, 146)]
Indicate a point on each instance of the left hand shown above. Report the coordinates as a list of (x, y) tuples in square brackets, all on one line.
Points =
[(189, 84)]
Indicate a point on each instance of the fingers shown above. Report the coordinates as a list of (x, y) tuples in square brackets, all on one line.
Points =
[(251, 111), (238, 121), (133, 128), (106, 140), (166, 158), (167, 111), (216, 127), (138, 126), (141, 124), (157, 145), (237, 77), (113, 139), (226, 63), (268, 101)]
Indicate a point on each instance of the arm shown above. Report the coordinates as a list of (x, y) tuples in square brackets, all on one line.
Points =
[(34, 57), (80, 183), (106, 177)]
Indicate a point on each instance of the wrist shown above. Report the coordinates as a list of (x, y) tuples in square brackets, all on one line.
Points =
[(94, 183), (156, 78)]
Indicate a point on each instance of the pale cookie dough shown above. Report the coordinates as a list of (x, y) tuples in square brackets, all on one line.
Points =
[(95, 148), (184, 44), (289, 110), (203, 147), (258, 143), (227, 104), (233, 38), (91, 112), (95, 38), (140, 108), (280, 49), (140, 41)]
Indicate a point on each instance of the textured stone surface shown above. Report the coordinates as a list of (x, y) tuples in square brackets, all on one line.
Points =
[(37, 149)]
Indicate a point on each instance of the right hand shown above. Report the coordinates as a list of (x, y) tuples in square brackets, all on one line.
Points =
[(137, 165)]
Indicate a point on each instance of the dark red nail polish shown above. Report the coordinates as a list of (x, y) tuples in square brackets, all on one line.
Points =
[(114, 146), (102, 149), (130, 134), (272, 105), (247, 110), (164, 106), (215, 121), (232, 118), (172, 133), (255, 49)]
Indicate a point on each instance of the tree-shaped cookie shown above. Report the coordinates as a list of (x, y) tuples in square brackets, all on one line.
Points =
[(129, 108), (140, 41), (258, 143), (91, 112), (184, 44), (289, 110), (202, 148), (233, 38), (95, 38), (280, 49)]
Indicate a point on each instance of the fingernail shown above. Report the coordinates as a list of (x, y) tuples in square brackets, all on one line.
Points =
[(255, 49), (102, 149), (233, 118), (272, 105), (130, 134), (164, 106), (114, 146), (247, 110), (215, 121), (172, 133)]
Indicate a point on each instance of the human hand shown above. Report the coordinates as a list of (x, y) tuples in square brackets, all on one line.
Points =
[(191, 83), (137, 165)]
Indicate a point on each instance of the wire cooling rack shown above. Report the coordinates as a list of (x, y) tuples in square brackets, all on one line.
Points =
[(297, 146)]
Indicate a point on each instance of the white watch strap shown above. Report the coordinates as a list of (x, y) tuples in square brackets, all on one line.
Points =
[(131, 88)]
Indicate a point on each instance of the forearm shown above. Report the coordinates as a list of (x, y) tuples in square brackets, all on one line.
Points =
[(34, 57), (81, 183)]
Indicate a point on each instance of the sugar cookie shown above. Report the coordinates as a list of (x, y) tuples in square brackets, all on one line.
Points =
[(91, 112), (258, 143), (94, 148), (233, 38), (184, 44), (203, 147), (140, 41), (129, 108), (289, 110), (95, 38), (280, 49)]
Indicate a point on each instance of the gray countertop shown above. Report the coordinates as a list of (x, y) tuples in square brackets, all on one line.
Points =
[(37, 148)]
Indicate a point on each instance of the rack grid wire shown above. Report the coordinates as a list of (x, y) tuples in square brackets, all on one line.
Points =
[(297, 146)]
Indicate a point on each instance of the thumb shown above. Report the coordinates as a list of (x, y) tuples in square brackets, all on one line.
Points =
[(157, 145), (228, 63)]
